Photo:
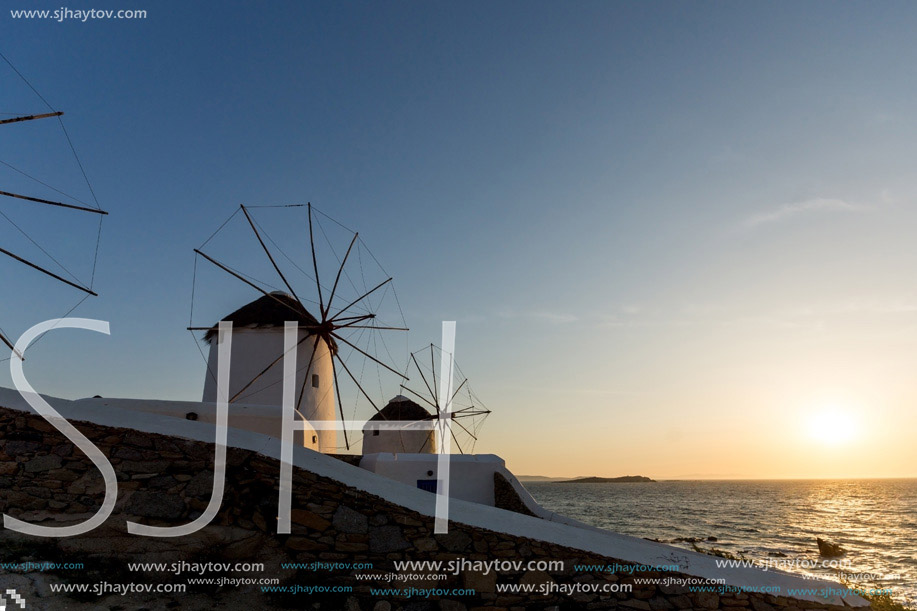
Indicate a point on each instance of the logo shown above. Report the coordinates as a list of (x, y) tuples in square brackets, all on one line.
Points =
[(13, 596)]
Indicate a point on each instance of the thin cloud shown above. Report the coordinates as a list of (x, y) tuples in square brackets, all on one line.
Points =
[(543, 316), (575, 390), (809, 206), (868, 307)]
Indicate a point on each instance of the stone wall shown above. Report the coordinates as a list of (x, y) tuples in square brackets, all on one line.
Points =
[(167, 481)]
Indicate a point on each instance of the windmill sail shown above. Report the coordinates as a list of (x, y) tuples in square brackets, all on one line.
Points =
[(10, 196), (349, 313)]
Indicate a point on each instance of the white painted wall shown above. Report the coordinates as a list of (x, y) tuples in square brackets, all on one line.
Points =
[(471, 475), (406, 440), (256, 418), (252, 351)]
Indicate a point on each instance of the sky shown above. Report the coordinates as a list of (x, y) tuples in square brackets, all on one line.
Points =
[(677, 238)]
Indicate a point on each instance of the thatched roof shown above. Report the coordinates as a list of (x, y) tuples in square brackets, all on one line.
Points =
[(266, 312), (402, 408)]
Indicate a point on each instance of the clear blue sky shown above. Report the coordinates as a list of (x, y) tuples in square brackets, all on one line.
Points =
[(666, 230)]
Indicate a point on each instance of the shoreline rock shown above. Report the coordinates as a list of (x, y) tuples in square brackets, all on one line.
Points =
[(626, 479)]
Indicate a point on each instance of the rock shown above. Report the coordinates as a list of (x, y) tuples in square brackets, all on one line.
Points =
[(349, 521), (759, 605), (479, 582), (16, 448), (162, 482), (681, 602), (536, 578), (304, 544), (91, 483), (64, 475), (244, 548), (308, 519), (155, 505), (426, 544), (201, 485), (825, 548), (707, 600), (644, 592), (379, 519), (43, 463), (451, 605), (672, 590), (382, 605), (659, 603), (383, 539), (136, 438), (455, 541), (156, 467), (350, 547), (128, 453), (63, 451)]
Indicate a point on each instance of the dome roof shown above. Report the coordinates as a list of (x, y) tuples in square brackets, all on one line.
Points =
[(265, 312), (402, 408)]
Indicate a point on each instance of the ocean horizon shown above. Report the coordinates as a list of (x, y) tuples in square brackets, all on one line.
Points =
[(770, 522), (553, 479)]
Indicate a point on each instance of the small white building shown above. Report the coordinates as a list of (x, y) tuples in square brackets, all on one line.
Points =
[(471, 476), (413, 434), (256, 372)]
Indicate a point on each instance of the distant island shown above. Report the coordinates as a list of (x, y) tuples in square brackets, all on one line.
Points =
[(626, 479)]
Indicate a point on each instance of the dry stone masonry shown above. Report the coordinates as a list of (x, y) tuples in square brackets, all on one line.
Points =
[(166, 481)]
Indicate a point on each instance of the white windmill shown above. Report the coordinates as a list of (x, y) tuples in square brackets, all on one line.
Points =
[(340, 347)]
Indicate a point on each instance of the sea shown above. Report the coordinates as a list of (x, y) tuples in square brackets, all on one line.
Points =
[(774, 522)]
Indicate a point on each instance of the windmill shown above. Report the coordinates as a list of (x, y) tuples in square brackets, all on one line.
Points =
[(81, 207), (466, 406), (345, 319)]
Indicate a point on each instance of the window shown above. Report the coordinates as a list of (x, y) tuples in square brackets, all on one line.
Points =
[(314, 438), (314, 380), (430, 485), (375, 432)]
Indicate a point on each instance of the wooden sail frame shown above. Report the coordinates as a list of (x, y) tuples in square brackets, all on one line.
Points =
[(332, 320), (45, 202), (431, 397)]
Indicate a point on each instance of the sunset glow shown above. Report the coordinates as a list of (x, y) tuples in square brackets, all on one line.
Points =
[(832, 426)]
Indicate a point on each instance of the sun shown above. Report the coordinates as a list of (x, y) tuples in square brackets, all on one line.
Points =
[(832, 425)]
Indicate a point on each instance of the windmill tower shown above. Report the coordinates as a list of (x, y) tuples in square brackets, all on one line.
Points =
[(257, 340), (407, 438)]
